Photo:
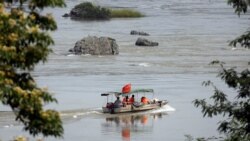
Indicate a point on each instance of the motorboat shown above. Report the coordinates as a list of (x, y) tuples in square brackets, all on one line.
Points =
[(139, 103)]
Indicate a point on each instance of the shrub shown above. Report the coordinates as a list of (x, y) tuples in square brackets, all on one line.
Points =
[(125, 13)]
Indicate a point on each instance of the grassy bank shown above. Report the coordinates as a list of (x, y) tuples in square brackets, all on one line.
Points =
[(125, 13)]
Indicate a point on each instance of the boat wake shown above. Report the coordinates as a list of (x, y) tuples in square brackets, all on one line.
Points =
[(7, 119), (71, 115), (165, 108)]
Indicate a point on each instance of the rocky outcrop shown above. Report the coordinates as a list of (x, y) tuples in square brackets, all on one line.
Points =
[(88, 11), (145, 42), (96, 46), (66, 15), (134, 32)]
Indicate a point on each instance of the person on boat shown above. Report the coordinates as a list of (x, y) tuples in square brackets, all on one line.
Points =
[(125, 100), (132, 99), (144, 100), (118, 103)]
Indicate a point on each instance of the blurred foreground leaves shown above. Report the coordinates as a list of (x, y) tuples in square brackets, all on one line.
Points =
[(236, 112), (24, 42)]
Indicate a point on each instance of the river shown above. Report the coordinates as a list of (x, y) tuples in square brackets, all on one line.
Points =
[(191, 34)]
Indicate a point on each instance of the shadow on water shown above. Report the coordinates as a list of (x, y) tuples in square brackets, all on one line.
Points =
[(131, 125)]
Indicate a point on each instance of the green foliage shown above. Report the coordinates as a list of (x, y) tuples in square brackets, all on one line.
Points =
[(24, 42), (243, 40), (125, 13), (241, 6), (236, 126), (87, 10)]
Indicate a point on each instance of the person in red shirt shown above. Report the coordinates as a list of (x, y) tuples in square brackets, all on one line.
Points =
[(144, 100), (125, 100), (132, 99)]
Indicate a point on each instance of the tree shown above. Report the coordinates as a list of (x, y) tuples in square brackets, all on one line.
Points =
[(236, 126), (24, 42), (240, 7)]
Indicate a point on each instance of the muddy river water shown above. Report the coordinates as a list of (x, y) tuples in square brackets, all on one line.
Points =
[(191, 33)]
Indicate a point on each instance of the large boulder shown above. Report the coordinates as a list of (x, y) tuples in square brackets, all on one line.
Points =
[(88, 11), (145, 42), (134, 32), (96, 46)]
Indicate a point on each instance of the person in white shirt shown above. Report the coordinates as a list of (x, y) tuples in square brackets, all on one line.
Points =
[(118, 103)]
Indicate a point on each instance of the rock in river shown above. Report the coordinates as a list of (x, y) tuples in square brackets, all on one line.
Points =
[(134, 32), (66, 15), (145, 42), (89, 11), (96, 46)]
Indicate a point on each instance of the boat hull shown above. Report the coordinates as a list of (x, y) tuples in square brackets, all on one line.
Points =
[(135, 107)]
